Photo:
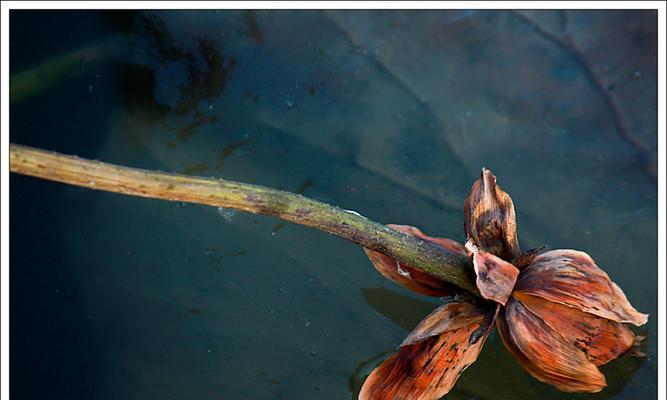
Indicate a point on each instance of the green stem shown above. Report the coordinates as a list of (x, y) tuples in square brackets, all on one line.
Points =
[(291, 207)]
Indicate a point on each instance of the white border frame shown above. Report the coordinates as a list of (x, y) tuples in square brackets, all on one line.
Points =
[(4, 101), (352, 5)]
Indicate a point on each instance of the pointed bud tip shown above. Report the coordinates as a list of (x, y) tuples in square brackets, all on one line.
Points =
[(489, 218), (487, 175)]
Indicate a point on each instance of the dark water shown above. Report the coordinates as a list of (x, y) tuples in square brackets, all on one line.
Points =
[(392, 114)]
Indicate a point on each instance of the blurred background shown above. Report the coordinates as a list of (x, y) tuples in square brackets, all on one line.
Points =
[(392, 114)]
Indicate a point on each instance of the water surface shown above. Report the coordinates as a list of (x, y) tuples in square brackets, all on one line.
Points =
[(391, 114)]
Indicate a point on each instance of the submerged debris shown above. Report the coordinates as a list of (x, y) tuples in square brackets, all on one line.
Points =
[(226, 214)]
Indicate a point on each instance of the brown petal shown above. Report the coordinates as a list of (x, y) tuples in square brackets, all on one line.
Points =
[(489, 218), (571, 278), (456, 312), (412, 278), (527, 257), (600, 339), (544, 353), (495, 277), (431, 359)]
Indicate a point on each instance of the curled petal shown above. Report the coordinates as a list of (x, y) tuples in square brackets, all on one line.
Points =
[(571, 278), (544, 353), (495, 277), (456, 312), (489, 218), (412, 278), (600, 339), (431, 359)]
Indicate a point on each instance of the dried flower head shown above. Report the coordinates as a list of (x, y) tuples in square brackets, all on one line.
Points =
[(558, 313)]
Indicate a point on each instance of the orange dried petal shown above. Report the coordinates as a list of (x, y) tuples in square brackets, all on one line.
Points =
[(544, 353), (571, 278), (495, 277), (410, 277), (441, 348), (600, 339), (489, 218), (456, 312)]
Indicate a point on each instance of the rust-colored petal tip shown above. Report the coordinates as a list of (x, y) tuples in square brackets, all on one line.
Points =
[(545, 354), (572, 278), (489, 218), (600, 339), (430, 361)]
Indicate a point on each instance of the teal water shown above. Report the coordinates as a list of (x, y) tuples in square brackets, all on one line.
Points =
[(391, 114)]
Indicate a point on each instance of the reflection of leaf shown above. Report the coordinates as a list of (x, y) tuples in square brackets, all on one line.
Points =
[(404, 311), (253, 29), (594, 73), (191, 73), (620, 372), (57, 69)]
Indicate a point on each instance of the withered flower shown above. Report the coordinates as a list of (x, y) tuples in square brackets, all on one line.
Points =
[(558, 313)]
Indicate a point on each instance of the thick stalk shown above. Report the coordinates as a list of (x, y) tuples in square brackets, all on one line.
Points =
[(255, 199)]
